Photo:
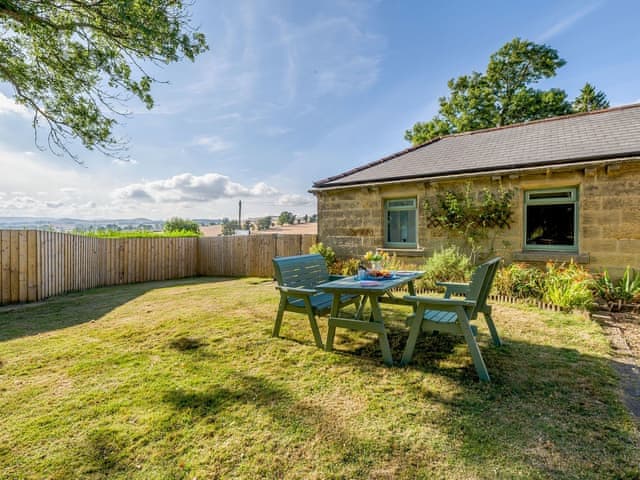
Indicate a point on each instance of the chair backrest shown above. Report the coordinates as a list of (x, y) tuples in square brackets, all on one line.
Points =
[(480, 285), (300, 271)]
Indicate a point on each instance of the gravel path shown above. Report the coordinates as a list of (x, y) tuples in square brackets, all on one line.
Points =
[(623, 330)]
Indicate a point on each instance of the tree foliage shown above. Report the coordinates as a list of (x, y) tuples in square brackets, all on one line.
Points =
[(590, 99), (229, 227), (286, 218), (503, 95), (177, 224), (74, 63), (264, 223)]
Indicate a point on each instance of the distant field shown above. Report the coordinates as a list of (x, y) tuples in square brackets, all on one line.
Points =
[(303, 228)]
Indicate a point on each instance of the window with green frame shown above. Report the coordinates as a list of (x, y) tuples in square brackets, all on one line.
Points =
[(401, 223), (551, 219)]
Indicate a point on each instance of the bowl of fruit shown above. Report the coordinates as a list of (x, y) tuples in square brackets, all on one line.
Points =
[(379, 274)]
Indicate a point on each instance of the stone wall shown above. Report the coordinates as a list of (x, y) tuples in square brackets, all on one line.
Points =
[(351, 220)]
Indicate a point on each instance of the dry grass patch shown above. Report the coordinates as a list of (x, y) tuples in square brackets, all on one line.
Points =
[(183, 380)]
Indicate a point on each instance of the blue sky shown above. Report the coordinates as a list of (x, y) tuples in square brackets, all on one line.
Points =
[(296, 91)]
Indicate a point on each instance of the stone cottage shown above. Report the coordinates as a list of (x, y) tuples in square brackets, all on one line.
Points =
[(576, 184)]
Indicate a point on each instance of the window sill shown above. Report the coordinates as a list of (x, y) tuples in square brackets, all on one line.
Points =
[(402, 252), (548, 255)]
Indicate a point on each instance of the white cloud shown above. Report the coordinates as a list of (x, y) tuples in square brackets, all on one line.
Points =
[(28, 204), (8, 105), (567, 22), (213, 144), (187, 187), (294, 200)]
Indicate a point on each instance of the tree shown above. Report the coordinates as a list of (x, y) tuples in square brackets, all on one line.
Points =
[(264, 223), (590, 99), (74, 63), (286, 218), (503, 95), (177, 224), (230, 226)]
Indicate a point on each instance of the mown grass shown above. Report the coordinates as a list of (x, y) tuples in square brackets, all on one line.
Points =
[(182, 379)]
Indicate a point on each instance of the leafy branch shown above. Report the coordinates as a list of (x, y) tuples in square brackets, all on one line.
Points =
[(471, 217)]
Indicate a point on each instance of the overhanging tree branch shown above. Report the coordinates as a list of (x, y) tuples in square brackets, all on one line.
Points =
[(75, 63)]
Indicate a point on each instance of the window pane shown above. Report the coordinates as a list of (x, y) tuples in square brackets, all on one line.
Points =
[(401, 226), (551, 195), (551, 224), (392, 204)]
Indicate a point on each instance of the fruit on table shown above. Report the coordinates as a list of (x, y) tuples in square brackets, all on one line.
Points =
[(379, 273)]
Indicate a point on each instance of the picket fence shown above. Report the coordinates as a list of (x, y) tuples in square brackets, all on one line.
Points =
[(35, 265)]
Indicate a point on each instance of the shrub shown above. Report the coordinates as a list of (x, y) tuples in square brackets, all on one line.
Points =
[(568, 286), (449, 264), (345, 267), (326, 251), (520, 281), (229, 227), (626, 289), (176, 224)]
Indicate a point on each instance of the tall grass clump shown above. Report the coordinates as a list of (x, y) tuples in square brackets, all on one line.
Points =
[(449, 264), (569, 286), (520, 281), (626, 289)]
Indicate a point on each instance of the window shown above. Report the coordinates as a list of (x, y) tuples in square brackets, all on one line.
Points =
[(400, 228), (551, 219)]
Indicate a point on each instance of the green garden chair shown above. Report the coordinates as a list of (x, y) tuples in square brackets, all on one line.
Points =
[(453, 315), (297, 277)]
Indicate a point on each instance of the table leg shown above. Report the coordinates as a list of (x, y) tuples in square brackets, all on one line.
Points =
[(382, 337), (412, 291), (331, 332), (361, 307)]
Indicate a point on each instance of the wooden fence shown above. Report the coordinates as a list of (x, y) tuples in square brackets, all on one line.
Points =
[(35, 265), (249, 255)]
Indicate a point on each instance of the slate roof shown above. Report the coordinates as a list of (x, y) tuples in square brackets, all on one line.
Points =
[(605, 134)]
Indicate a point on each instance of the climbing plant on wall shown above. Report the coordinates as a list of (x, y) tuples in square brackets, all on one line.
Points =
[(471, 217)]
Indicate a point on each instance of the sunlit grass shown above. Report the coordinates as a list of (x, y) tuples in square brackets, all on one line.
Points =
[(183, 380), (135, 234)]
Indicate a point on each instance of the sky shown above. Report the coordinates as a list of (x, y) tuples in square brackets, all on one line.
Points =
[(292, 92)]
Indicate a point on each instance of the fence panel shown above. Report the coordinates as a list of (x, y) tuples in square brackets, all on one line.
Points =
[(35, 265)]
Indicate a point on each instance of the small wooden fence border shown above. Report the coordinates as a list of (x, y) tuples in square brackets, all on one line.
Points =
[(496, 298), (35, 265)]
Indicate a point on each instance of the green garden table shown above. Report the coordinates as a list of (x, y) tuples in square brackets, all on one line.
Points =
[(376, 292)]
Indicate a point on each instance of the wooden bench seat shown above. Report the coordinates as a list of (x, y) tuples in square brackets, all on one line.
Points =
[(297, 278)]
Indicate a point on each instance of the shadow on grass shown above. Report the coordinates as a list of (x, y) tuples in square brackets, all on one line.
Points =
[(554, 406), (289, 414), (76, 308)]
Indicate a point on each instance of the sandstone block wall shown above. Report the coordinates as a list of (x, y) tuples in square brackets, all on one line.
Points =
[(351, 220)]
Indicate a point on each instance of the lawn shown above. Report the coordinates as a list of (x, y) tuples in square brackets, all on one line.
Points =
[(182, 379)]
